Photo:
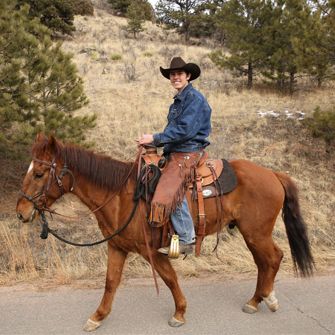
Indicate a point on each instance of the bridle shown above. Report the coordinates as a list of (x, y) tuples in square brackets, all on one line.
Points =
[(58, 179), (53, 177), (43, 194)]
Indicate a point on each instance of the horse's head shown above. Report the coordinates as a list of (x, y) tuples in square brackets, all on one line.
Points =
[(47, 179)]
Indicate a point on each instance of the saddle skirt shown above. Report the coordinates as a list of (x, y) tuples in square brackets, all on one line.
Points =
[(213, 177), (209, 170)]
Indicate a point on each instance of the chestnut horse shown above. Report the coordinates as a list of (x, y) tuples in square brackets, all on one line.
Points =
[(97, 179)]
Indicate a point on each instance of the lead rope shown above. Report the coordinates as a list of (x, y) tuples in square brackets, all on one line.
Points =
[(149, 250), (219, 207)]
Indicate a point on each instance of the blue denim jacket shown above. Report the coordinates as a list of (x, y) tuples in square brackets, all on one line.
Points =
[(189, 123)]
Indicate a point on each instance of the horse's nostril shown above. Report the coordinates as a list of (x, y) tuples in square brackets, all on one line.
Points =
[(19, 216)]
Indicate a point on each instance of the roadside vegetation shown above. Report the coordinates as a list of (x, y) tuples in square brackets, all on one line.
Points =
[(119, 94)]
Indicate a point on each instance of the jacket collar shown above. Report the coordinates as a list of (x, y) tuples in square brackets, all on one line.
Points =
[(181, 95)]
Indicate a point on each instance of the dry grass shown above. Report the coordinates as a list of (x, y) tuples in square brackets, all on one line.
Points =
[(130, 97)]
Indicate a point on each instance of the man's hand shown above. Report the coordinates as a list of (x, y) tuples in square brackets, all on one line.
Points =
[(145, 139)]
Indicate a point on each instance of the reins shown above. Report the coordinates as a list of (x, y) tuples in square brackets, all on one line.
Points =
[(41, 210), (46, 230), (141, 187)]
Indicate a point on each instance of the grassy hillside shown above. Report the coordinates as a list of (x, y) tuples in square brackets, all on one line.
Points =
[(130, 97)]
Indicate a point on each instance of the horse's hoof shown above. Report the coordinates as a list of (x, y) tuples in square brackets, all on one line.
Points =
[(173, 322), (249, 309), (91, 325), (271, 301)]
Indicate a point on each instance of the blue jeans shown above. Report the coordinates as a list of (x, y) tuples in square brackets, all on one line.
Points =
[(183, 224)]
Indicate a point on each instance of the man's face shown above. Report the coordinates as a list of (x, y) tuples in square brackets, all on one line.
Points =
[(179, 79)]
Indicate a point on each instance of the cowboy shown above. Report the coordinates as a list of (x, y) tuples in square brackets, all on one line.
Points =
[(183, 141)]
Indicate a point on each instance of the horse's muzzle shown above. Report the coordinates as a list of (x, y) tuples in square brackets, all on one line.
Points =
[(20, 217), (28, 218)]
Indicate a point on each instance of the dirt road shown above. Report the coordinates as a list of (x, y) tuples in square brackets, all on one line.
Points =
[(307, 306)]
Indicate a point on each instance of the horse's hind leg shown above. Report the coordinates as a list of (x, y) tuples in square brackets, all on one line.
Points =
[(167, 273), (116, 259), (267, 256)]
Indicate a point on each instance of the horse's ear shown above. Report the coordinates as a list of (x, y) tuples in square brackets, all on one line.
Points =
[(52, 144), (40, 137)]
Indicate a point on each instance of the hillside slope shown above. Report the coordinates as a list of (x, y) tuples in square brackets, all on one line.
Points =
[(130, 97)]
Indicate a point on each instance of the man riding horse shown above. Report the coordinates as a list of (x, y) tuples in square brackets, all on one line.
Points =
[(183, 141)]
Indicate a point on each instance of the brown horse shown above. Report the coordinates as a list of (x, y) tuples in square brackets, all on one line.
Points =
[(253, 206)]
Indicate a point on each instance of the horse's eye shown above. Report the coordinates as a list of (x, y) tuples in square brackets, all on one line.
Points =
[(38, 175)]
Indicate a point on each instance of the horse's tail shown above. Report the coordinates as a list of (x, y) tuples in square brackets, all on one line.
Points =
[(296, 228)]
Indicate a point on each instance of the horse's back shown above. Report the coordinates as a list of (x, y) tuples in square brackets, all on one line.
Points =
[(258, 190), (256, 177)]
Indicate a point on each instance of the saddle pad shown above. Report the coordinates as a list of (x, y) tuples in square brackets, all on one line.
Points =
[(226, 183)]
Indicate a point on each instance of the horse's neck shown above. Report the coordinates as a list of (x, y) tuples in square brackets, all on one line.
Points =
[(93, 196)]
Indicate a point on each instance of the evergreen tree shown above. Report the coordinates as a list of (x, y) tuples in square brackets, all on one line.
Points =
[(330, 24), (285, 36), (178, 14), (57, 15), (203, 22), (39, 85), (243, 23), (120, 8), (313, 55), (277, 38), (319, 57), (136, 17)]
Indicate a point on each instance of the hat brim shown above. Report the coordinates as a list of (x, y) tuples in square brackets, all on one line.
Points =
[(191, 68)]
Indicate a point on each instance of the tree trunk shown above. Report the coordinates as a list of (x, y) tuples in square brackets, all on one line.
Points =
[(292, 79), (250, 75)]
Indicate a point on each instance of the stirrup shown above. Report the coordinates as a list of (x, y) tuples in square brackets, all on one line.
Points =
[(174, 249)]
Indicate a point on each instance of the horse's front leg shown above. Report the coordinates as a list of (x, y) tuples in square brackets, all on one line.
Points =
[(116, 259), (167, 273)]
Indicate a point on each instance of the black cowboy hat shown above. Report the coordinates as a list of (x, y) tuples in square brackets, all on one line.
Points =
[(177, 63)]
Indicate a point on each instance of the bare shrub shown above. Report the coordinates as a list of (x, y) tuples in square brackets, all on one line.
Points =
[(169, 52), (129, 71)]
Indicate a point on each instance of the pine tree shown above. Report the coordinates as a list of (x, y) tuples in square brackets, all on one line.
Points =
[(120, 8), (203, 20), (288, 29), (13, 97), (243, 23), (39, 86), (57, 15), (313, 56), (276, 38), (178, 14), (318, 57), (135, 17)]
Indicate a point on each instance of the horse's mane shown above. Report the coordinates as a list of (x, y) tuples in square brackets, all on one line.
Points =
[(101, 170)]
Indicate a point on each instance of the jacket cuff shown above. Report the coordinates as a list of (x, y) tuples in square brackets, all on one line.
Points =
[(157, 140)]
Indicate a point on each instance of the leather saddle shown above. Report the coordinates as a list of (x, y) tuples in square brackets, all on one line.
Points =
[(207, 169), (214, 177)]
